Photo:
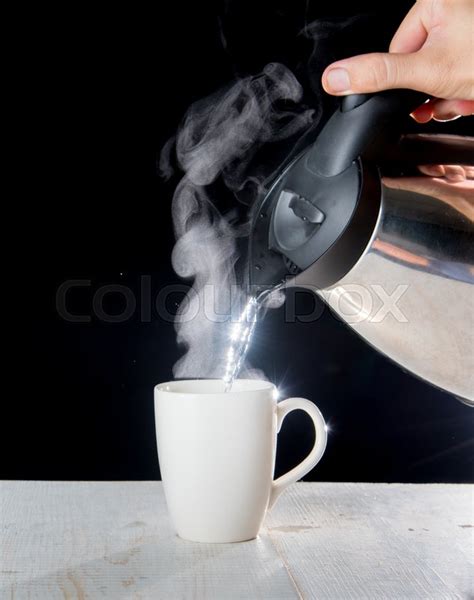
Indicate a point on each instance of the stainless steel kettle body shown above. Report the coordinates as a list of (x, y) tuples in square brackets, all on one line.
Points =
[(392, 256), (410, 294)]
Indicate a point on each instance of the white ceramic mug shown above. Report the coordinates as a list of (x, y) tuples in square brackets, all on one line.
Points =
[(217, 455)]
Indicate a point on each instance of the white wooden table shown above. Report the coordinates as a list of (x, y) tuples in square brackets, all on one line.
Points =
[(321, 540)]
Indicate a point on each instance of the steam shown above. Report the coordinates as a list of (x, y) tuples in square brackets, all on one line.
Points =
[(219, 141), (219, 138)]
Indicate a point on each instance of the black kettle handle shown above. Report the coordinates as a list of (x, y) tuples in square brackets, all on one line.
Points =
[(363, 122)]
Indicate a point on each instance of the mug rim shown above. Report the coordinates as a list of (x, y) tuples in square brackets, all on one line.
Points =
[(255, 385)]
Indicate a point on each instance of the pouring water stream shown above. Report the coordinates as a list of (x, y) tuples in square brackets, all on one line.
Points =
[(241, 336)]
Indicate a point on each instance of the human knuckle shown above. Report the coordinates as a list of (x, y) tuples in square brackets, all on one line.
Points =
[(382, 72)]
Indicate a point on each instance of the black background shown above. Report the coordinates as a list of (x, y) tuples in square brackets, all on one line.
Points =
[(102, 93)]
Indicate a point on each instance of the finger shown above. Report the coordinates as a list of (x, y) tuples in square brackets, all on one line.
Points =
[(412, 34), (469, 172), (424, 113), (454, 173), (375, 72), (448, 110), (443, 110), (432, 170)]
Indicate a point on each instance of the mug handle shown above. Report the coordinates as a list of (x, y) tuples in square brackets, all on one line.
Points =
[(283, 408)]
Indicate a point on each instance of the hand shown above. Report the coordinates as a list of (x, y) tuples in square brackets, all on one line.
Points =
[(432, 52), (451, 173)]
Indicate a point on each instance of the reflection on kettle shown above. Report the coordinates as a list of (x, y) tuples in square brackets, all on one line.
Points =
[(457, 197)]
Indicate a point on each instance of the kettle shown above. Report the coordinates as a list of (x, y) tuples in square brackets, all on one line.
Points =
[(390, 252)]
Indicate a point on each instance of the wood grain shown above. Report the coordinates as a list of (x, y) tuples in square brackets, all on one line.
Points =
[(377, 541), (321, 540)]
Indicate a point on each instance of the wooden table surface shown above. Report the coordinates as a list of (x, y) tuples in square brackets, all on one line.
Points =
[(321, 540)]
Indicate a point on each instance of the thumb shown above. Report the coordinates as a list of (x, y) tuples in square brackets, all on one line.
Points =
[(376, 72)]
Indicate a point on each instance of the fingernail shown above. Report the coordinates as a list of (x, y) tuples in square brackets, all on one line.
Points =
[(338, 80)]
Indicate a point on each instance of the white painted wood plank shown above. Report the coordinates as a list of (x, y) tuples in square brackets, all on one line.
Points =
[(321, 540), (376, 540), (114, 540)]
